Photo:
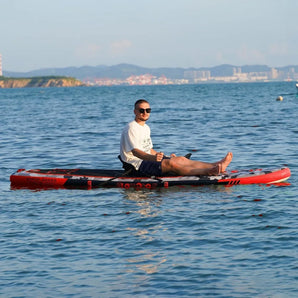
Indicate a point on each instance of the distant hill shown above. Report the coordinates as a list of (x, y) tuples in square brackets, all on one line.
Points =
[(122, 71)]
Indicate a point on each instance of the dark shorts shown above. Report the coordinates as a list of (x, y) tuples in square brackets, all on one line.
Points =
[(151, 168)]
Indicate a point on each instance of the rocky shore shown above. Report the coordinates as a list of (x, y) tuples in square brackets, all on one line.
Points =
[(42, 82)]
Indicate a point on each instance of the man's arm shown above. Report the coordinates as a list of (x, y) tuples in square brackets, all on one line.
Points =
[(154, 156)]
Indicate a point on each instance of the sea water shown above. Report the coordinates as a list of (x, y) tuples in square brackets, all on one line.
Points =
[(239, 241)]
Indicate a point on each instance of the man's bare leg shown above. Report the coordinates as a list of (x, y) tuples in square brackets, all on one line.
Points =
[(183, 166), (189, 171), (206, 165)]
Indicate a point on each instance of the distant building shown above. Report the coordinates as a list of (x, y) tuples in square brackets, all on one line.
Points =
[(1, 65), (196, 76), (237, 71)]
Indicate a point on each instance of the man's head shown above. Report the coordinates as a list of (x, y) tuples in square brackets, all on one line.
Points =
[(142, 110)]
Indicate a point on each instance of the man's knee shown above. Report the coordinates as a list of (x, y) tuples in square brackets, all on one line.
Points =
[(178, 161), (174, 164), (167, 165)]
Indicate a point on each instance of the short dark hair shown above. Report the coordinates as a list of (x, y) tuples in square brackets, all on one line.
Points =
[(139, 101)]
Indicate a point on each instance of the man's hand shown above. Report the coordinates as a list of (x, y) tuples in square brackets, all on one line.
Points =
[(159, 156)]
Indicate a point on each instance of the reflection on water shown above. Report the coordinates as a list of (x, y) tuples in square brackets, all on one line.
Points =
[(147, 205), (147, 260)]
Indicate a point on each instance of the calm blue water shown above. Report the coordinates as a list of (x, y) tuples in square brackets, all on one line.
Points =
[(204, 241)]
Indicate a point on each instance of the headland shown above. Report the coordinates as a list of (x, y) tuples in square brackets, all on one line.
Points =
[(42, 81)]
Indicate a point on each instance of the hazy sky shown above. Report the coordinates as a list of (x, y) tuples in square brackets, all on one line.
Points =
[(152, 33)]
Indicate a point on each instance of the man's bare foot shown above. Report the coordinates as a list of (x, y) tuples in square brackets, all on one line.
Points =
[(222, 160), (226, 161)]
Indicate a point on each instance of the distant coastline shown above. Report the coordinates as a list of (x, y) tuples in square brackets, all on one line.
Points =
[(128, 74), (39, 81)]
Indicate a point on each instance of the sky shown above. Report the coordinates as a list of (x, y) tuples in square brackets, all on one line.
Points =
[(39, 34)]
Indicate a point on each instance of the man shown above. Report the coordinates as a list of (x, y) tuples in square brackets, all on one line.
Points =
[(137, 150)]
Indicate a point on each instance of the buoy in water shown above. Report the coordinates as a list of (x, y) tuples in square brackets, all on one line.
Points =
[(279, 98)]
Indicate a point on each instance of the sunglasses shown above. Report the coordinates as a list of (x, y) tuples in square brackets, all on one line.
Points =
[(142, 111)]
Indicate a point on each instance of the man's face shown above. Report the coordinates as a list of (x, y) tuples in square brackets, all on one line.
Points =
[(142, 113)]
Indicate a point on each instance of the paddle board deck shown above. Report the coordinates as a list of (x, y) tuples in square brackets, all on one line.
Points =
[(94, 178)]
